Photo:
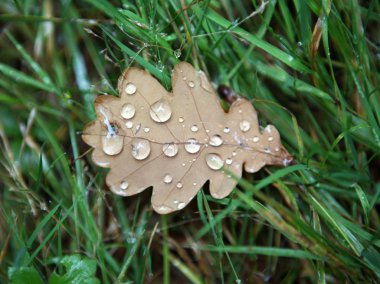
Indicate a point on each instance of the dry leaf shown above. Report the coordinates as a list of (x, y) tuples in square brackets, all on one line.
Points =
[(177, 141)]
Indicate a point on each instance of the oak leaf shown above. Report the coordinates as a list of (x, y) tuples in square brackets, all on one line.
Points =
[(177, 141)]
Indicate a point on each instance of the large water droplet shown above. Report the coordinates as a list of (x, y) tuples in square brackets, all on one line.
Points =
[(160, 111), (112, 144), (192, 146), (140, 148), (214, 161), (130, 89), (124, 185), (216, 140), (168, 179), (194, 128), (245, 125), (128, 111), (170, 149)]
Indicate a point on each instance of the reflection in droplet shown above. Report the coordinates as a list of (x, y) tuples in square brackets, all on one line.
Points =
[(191, 84), (214, 161), (140, 148), (194, 128), (128, 111), (112, 144), (170, 149), (179, 185), (160, 111), (245, 125), (216, 140), (129, 124), (124, 185), (168, 179), (130, 89), (192, 146)]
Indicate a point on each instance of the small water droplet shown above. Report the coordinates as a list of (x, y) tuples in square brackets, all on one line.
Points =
[(146, 129), (170, 149), (267, 150), (163, 209), (299, 43), (130, 89), (234, 153), (270, 138), (192, 146), (216, 140), (124, 185), (194, 128), (228, 161), (277, 149), (183, 164), (112, 144), (129, 124), (138, 126), (179, 184), (177, 53), (191, 84), (160, 111), (181, 205), (128, 111), (290, 58), (168, 179), (226, 130), (245, 125), (140, 148), (255, 139), (194, 183), (214, 161), (181, 119)]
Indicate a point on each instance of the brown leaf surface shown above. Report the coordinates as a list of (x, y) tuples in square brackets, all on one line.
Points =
[(176, 141)]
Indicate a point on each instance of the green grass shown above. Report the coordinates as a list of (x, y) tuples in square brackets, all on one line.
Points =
[(313, 222)]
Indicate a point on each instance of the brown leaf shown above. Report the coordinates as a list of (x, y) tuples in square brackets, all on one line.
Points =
[(177, 141)]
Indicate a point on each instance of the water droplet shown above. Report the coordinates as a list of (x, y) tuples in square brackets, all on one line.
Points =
[(226, 130), (216, 140), (163, 209), (140, 148), (228, 161), (128, 111), (168, 179), (267, 150), (191, 84), (177, 53), (183, 164), (299, 43), (181, 119), (192, 146), (290, 58), (270, 138), (130, 89), (194, 183), (124, 185), (129, 124), (112, 144), (277, 149), (170, 149), (255, 139), (179, 184), (194, 128), (138, 126), (181, 205), (245, 125), (214, 161), (160, 111), (146, 129)]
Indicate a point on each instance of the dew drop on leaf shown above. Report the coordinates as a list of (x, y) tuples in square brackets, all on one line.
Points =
[(128, 111), (179, 185), (245, 125), (168, 179), (255, 139), (160, 111), (140, 148), (214, 161), (170, 149), (194, 128), (112, 144), (181, 205), (129, 124), (124, 185), (130, 89), (216, 140), (191, 84), (192, 146), (226, 130)]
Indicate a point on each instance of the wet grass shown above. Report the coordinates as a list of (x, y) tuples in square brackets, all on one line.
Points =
[(311, 68)]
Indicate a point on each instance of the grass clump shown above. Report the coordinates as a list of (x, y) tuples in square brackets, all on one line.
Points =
[(310, 67)]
